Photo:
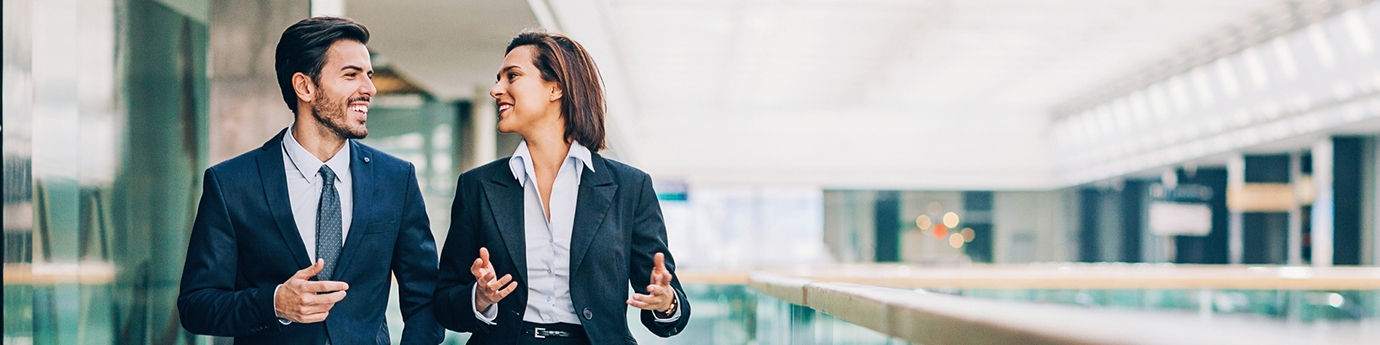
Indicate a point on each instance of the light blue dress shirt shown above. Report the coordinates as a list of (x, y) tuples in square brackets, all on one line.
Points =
[(304, 185), (548, 242)]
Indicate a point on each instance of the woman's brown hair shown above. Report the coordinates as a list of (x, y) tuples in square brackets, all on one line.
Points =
[(564, 61)]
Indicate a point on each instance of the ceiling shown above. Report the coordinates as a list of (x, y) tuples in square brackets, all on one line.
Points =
[(449, 47), (927, 94)]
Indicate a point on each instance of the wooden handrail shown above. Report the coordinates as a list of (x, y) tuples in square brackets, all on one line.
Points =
[(931, 318), (85, 273), (1074, 276)]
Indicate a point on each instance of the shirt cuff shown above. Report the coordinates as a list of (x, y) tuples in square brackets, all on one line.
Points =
[(491, 313), (281, 320), (674, 316)]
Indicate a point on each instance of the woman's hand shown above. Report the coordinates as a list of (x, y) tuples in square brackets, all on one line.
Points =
[(659, 295), (487, 290)]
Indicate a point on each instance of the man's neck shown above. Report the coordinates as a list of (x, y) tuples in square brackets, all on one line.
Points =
[(320, 141)]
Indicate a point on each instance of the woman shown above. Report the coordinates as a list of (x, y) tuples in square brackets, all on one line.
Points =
[(544, 244)]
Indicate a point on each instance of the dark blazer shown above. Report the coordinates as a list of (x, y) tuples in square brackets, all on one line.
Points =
[(618, 228), (244, 243)]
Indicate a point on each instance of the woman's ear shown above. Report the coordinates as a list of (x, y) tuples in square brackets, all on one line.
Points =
[(305, 88), (555, 92)]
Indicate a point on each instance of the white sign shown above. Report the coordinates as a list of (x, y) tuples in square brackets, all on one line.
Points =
[(1172, 218)]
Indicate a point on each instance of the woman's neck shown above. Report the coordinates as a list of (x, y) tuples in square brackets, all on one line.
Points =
[(548, 150)]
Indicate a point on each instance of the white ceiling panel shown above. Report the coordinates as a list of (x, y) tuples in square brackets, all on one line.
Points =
[(448, 47), (938, 94)]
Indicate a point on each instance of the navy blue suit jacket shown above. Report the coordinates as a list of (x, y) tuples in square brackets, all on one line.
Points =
[(244, 243), (618, 228)]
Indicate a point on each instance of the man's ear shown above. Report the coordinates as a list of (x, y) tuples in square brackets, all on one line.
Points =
[(305, 88)]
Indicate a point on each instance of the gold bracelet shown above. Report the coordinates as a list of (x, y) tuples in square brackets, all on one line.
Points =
[(673, 307)]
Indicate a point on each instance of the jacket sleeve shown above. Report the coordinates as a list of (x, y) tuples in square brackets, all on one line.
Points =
[(207, 302), (454, 306), (415, 266), (649, 238)]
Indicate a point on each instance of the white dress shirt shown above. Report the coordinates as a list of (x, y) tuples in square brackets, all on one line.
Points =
[(304, 185), (548, 241)]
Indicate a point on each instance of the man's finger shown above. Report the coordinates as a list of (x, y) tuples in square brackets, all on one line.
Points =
[(314, 309), (640, 302), (484, 255), (314, 318), (310, 271), (660, 261), (330, 299), (324, 286), (642, 298)]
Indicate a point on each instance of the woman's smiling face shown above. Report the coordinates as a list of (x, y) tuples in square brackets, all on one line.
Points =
[(525, 100)]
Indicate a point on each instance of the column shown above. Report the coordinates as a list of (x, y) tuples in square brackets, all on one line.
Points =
[(247, 106), (1296, 212), (1322, 203), (1236, 180), (483, 128), (1263, 199), (887, 222)]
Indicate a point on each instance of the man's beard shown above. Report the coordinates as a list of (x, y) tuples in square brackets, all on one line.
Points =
[(332, 115)]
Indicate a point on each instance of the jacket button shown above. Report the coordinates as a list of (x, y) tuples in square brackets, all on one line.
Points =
[(588, 314)]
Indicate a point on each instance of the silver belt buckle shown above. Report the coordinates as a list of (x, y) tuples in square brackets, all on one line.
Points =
[(539, 332)]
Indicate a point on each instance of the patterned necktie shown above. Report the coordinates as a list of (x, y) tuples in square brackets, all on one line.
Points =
[(328, 238)]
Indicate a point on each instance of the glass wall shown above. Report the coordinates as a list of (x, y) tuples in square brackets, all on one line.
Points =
[(105, 114)]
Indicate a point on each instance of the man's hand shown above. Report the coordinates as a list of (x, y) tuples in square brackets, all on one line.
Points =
[(487, 290), (303, 301), (659, 294)]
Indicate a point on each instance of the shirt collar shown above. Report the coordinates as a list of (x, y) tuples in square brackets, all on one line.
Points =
[(521, 161), (307, 165)]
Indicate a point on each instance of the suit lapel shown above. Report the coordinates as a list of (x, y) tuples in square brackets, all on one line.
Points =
[(591, 205), (362, 176), (505, 203), (273, 177)]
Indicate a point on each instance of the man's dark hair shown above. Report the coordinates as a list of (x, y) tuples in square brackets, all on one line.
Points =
[(303, 49), (564, 61)]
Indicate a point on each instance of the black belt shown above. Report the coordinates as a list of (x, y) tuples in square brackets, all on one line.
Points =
[(554, 330)]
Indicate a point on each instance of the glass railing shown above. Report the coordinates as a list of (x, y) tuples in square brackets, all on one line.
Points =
[(1043, 303), (731, 314)]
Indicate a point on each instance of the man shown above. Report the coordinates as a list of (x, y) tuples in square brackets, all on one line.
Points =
[(294, 242)]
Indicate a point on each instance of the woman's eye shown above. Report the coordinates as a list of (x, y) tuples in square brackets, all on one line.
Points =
[(512, 76)]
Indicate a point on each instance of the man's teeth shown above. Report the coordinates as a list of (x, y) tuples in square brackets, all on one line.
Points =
[(504, 107), (360, 108)]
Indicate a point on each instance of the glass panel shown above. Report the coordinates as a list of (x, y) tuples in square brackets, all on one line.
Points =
[(105, 111)]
